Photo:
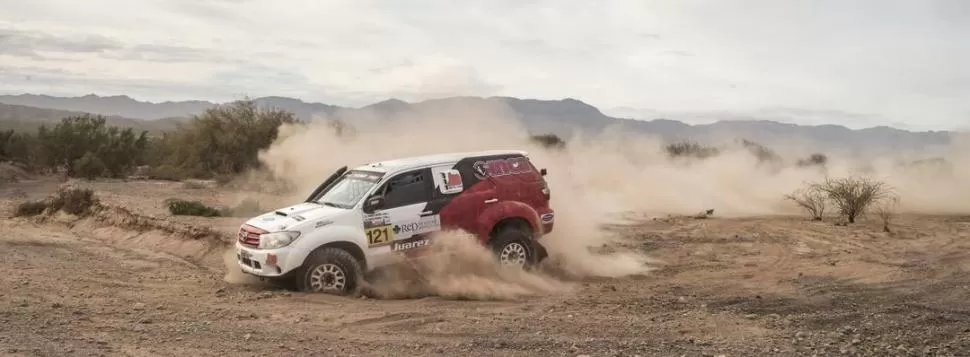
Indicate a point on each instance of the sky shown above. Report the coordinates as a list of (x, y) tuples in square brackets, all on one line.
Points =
[(859, 63)]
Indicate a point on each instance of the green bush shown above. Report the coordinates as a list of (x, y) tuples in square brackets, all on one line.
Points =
[(90, 167), (224, 140), (192, 208)]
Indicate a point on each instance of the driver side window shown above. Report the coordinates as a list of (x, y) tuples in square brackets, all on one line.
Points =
[(407, 188)]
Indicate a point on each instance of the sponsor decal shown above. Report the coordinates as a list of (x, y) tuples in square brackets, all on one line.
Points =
[(322, 223), (423, 225), (298, 218), (547, 218), (377, 219), (501, 167), (269, 218), (411, 243), (369, 176)]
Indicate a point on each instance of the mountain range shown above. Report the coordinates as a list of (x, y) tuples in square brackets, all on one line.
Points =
[(562, 117)]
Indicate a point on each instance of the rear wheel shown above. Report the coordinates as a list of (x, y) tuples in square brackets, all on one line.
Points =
[(513, 246), (331, 271)]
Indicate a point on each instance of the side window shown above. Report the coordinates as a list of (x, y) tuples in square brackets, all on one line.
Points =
[(407, 188)]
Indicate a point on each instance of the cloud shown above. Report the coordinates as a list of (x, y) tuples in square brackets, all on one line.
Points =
[(883, 61)]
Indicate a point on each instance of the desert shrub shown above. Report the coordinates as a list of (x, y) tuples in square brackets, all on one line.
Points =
[(761, 152), (74, 138), (811, 199), (886, 211), (551, 141), (815, 159), (16, 147), (223, 140), (192, 208), (74, 200), (691, 149), (852, 196), (30, 208), (90, 167)]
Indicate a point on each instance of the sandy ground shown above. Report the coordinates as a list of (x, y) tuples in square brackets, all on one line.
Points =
[(773, 286)]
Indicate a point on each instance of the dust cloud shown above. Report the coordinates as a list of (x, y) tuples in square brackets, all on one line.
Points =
[(595, 179), (458, 267)]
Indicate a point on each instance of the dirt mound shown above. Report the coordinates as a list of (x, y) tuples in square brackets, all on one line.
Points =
[(458, 267)]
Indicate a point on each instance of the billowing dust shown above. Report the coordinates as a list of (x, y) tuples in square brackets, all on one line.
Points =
[(457, 266), (597, 178)]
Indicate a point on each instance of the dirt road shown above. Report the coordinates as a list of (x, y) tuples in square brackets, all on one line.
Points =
[(734, 287)]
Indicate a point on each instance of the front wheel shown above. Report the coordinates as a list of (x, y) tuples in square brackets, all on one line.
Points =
[(331, 271), (514, 247)]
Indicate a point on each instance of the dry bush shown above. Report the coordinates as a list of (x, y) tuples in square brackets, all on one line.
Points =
[(551, 141), (811, 199), (886, 211), (691, 149), (30, 208), (852, 196), (73, 200), (813, 160)]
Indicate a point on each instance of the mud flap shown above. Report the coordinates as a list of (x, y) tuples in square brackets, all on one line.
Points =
[(541, 252)]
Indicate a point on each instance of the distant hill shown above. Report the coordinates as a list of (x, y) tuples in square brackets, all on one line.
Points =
[(561, 117), (19, 117)]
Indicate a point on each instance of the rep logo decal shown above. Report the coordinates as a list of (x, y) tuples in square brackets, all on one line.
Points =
[(501, 167), (423, 225)]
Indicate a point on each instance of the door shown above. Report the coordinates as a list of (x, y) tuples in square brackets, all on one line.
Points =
[(404, 222)]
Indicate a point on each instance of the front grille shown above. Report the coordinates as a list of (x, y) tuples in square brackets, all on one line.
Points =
[(249, 235)]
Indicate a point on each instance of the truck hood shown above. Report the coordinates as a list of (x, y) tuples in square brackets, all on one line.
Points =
[(286, 217)]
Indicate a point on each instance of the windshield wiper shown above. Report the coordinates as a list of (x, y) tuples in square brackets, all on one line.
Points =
[(331, 204)]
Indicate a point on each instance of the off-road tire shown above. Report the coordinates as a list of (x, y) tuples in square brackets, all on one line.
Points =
[(340, 258), (511, 236)]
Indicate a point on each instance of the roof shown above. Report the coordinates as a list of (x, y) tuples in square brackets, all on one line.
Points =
[(404, 163)]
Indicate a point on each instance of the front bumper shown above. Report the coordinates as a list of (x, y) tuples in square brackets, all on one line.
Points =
[(270, 263)]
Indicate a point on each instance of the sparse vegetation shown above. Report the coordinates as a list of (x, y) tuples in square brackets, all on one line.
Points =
[(812, 199), (30, 208), (691, 149), (853, 196), (763, 153), (72, 200), (218, 143), (815, 159), (552, 141), (192, 208), (886, 211)]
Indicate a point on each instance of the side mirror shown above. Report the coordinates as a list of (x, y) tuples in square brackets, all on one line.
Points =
[(374, 203), (542, 172)]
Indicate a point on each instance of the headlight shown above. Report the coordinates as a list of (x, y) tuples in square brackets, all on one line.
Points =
[(277, 239)]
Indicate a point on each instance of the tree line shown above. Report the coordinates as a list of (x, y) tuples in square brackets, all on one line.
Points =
[(223, 140)]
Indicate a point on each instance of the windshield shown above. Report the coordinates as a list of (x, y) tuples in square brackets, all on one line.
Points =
[(349, 189)]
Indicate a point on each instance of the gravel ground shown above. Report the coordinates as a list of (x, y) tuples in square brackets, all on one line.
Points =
[(768, 286)]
